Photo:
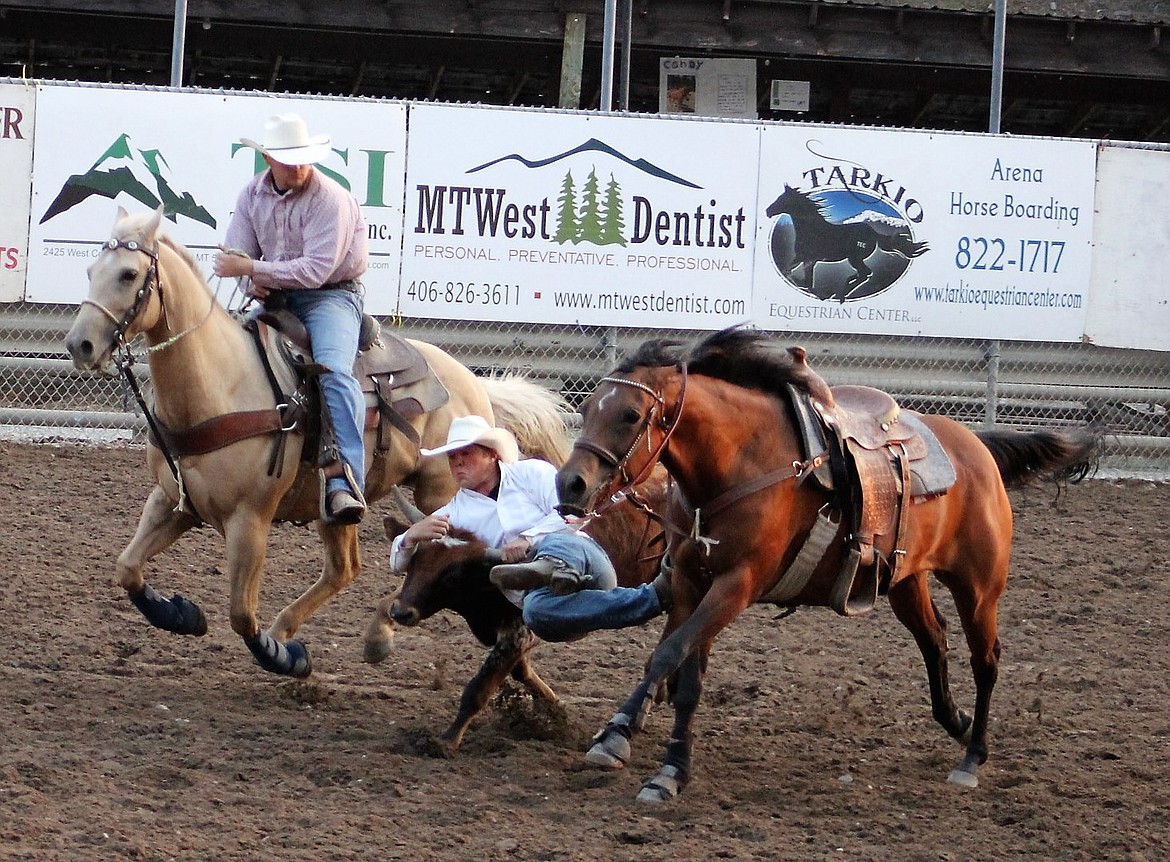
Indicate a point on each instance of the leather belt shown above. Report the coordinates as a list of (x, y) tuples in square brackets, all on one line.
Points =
[(353, 285)]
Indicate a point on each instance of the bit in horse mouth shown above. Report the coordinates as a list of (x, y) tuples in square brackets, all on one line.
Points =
[(567, 510)]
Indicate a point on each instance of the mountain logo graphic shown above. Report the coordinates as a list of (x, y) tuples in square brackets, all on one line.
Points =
[(137, 173), (597, 217)]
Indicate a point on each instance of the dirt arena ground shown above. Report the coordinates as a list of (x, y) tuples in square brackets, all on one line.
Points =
[(121, 742)]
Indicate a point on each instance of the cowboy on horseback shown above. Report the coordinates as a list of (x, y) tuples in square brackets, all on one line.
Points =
[(304, 248)]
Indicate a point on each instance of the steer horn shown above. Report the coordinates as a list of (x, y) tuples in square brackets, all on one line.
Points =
[(409, 511)]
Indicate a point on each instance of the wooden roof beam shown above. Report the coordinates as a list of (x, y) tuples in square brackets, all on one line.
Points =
[(274, 75), (358, 75), (1161, 121), (1079, 119), (517, 88), (436, 80)]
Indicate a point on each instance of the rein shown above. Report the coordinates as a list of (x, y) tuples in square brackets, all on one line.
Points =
[(123, 357), (120, 352)]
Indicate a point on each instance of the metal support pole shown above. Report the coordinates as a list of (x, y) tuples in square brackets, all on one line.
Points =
[(997, 66), (572, 60), (609, 342), (607, 44), (991, 407), (178, 43), (627, 50)]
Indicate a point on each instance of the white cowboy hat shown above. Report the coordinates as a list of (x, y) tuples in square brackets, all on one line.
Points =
[(286, 139), (474, 430)]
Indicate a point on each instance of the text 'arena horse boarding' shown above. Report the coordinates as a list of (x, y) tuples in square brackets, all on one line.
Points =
[(790, 493), (232, 421)]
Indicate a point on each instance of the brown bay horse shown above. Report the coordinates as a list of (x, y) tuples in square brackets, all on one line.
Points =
[(205, 366), (452, 574), (747, 515)]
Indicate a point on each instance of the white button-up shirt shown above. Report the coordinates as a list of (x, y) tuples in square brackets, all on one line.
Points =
[(525, 506)]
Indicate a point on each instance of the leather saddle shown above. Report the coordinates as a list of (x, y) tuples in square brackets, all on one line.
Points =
[(881, 459), (396, 378)]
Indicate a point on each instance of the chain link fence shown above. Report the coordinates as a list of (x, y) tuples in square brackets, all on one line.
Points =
[(980, 383)]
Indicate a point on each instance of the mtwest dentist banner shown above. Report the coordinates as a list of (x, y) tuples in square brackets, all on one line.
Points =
[(527, 216)]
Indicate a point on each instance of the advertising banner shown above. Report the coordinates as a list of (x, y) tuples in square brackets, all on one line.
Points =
[(1130, 302), (141, 148), (905, 233), (17, 103), (589, 219)]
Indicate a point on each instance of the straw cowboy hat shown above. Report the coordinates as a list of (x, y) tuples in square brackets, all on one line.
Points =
[(286, 139), (474, 430)]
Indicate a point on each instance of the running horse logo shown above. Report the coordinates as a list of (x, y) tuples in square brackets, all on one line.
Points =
[(835, 226)]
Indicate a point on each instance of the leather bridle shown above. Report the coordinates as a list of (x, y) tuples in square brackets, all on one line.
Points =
[(797, 470), (655, 417), (119, 351)]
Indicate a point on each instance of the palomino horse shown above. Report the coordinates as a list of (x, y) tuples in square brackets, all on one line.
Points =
[(751, 521), (205, 366)]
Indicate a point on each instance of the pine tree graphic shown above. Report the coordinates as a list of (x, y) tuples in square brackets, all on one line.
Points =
[(589, 216), (612, 224), (595, 221), (567, 228)]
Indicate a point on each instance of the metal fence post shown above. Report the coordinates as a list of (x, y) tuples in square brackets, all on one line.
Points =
[(991, 405)]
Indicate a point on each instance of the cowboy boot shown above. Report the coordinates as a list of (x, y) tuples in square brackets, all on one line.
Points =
[(342, 505), (523, 576), (561, 578)]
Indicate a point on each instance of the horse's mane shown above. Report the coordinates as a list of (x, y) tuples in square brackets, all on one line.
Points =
[(804, 203), (741, 355), (746, 357), (183, 252), (136, 222)]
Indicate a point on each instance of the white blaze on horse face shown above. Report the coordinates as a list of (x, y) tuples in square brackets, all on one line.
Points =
[(601, 401)]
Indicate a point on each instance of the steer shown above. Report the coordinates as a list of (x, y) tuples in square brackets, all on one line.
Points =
[(452, 574)]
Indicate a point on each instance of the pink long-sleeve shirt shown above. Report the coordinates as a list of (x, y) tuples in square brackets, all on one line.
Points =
[(300, 239)]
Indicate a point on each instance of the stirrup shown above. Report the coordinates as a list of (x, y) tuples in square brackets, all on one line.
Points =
[(352, 514)]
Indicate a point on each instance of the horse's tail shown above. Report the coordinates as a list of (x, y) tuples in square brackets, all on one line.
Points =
[(1062, 456), (903, 245), (914, 249), (535, 416)]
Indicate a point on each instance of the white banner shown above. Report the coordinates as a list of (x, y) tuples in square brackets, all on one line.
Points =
[(1130, 302), (904, 233), (141, 147), (16, 156), (675, 222), (588, 219)]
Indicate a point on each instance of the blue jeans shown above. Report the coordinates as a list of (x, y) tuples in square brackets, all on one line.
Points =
[(600, 604), (333, 318)]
